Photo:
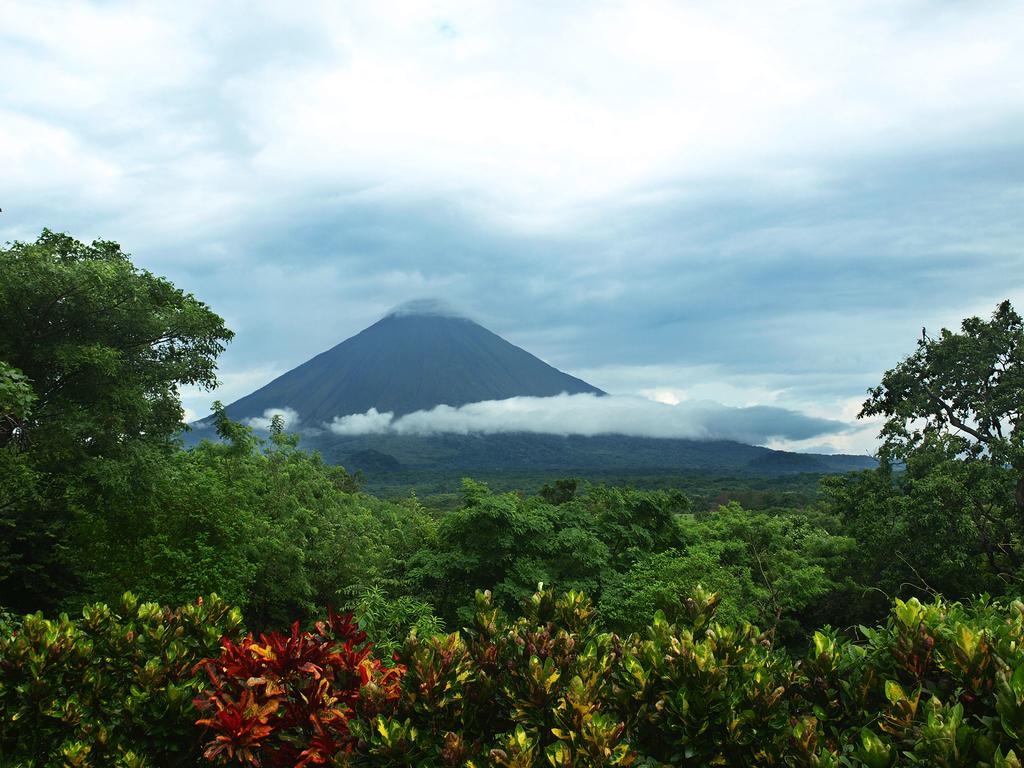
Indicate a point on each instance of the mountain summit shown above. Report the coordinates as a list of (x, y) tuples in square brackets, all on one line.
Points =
[(420, 355)]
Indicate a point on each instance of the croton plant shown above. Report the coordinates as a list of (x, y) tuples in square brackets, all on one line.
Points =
[(936, 684)]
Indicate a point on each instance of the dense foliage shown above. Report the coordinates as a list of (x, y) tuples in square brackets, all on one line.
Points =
[(937, 684), (287, 700), (772, 569), (268, 526), (111, 688), (509, 543), (945, 510), (104, 347)]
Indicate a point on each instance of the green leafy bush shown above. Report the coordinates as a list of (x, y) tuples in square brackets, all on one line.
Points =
[(700, 693), (534, 691), (389, 621), (112, 688), (937, 684), (940, 684)]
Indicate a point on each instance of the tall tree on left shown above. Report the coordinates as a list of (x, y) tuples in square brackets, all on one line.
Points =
[(104, 347)]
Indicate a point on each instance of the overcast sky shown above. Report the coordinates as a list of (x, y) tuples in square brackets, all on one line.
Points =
[(753, 203)]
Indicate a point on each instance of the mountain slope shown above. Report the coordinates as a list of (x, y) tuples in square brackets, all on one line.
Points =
[(406, 362), (573, 454)]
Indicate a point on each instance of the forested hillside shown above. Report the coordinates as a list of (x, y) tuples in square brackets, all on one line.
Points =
[(667, 630)]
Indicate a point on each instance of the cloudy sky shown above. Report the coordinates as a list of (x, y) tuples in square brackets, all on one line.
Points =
[(747, 203)]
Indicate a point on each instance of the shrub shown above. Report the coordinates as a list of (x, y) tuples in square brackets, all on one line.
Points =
[(286, 700), (390, 620), (700, 693), (114, 687), (937, 684), (533, 691)]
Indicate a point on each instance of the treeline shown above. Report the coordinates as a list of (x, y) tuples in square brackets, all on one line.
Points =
[(706, 490)]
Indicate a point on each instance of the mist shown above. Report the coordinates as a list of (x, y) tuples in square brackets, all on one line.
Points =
[(289, 418), (588, 415)]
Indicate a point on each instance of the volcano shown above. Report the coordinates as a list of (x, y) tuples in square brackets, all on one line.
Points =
[(418, 356), (422, 355)]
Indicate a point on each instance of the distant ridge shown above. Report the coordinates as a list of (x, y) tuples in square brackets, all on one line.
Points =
[(572, 455), (420, 355)]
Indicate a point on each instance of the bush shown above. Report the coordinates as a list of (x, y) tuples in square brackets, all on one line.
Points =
[(286, 700), (937, 684), (389, 621), (112, 688), (940, 684)]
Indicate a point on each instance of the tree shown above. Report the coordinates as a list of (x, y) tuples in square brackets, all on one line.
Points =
[(963, 389), (104, 344), (916, 533), (559, 491), (632, 522), (104, 347), (769, 569), (954, 409), (16, 401), (492, 541), (508, 543), (943, 512), (663, 582), (18, 481), (259, 521)]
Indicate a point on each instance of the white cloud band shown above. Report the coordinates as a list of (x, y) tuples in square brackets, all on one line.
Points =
[(588, 415)]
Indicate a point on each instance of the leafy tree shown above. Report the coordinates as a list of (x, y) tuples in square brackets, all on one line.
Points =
[(915, 533), (662, 582), (503, 542), (105, 344), (268, 525), (792, 559), (16, 401), (18, 481), (104, 347), (952, 520), (960, 396), (632, 522), (559, 491), (967, 387), (769, 568), (173, 526), (509, 543)]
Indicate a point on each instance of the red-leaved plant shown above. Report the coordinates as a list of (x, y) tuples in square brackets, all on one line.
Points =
[(287, 700)]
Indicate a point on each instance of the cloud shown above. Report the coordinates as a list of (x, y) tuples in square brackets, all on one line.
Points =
[(775, 193), (370, 423), (432, 307), (232, 384), (587, 414), (288, 415)]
